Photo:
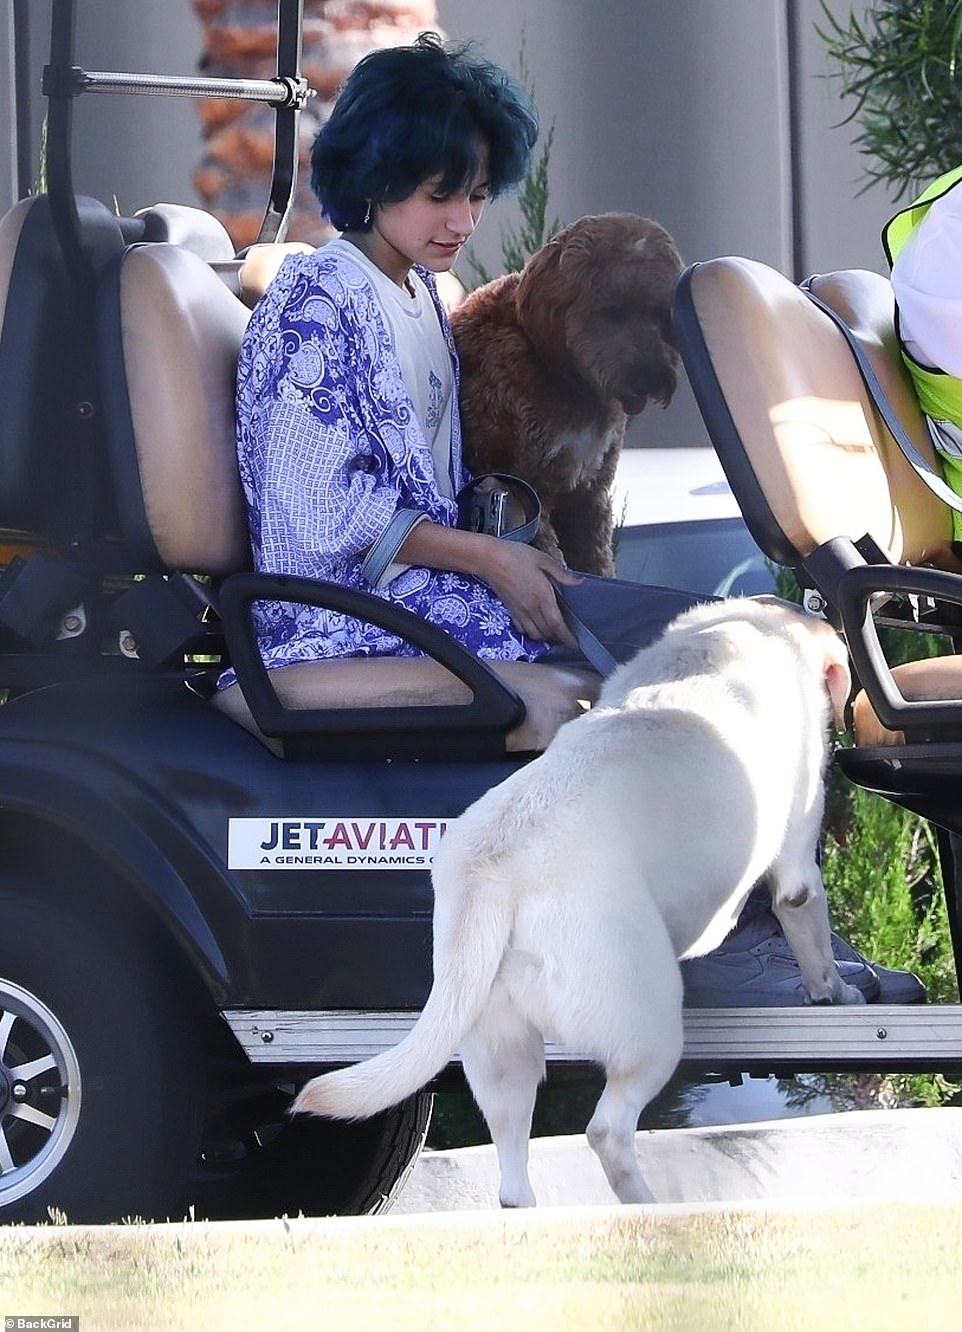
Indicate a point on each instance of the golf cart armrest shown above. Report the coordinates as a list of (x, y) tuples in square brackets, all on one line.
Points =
[(933, 719), (495, 708)]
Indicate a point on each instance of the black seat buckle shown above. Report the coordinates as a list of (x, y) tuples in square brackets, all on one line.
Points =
[(161, 617), (35, 595)]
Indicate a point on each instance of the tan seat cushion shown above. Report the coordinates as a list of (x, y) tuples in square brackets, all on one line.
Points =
[(181, 332), (552, 695), (930, 679)]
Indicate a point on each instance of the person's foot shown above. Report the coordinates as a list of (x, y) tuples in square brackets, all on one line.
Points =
[(756, 968), (895, 987)]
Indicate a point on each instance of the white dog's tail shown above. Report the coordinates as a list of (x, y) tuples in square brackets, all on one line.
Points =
[(471, 934)]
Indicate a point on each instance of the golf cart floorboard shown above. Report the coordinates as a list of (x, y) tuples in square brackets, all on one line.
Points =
[(805, 1039)]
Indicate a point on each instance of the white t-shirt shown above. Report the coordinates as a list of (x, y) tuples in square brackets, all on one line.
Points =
[(927, 281), (422, 352)]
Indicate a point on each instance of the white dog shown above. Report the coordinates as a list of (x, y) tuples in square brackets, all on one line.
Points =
[(565, 896)]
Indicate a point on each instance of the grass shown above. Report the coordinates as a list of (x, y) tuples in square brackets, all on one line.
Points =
[(877, 1267)]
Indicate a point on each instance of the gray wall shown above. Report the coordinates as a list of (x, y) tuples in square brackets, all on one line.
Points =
[(672, 133), (840, 224), (153, 143), (680, 109), (138, 150), (683, 111)]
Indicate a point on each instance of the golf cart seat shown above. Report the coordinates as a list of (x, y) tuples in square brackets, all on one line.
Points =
[(166, 329), (822, 483), (46, 482), (826, 491), (794, 427)]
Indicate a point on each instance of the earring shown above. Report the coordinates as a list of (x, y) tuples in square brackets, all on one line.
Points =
[(367, 215)]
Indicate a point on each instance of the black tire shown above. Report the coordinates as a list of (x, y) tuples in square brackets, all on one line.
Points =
[(311, 1167), (100, 1076)]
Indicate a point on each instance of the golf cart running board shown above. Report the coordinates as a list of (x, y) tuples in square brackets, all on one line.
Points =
[(744, 1040)]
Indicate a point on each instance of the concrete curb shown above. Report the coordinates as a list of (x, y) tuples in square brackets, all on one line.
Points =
[(825, 1159)]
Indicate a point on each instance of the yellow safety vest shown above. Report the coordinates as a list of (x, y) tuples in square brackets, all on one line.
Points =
[(939, 394)]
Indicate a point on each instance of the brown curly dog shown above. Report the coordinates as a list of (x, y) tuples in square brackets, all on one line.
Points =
[(556, 358)]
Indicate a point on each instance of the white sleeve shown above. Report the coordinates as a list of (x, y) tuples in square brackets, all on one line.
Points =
[(927, 281)]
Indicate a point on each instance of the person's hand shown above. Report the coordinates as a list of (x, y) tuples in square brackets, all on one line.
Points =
[(524, 578)]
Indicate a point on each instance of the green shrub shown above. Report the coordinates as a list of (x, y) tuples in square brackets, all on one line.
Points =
[(881, 872), (900, 66), (517, 246)]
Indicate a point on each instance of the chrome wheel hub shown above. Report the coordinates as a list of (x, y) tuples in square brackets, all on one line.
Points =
[(39, 1092)]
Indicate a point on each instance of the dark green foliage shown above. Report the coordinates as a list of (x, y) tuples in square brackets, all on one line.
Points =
[(881, 872), (900, 66), (517, 247)]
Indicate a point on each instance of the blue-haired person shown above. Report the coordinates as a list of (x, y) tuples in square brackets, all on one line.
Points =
[(347, 393)]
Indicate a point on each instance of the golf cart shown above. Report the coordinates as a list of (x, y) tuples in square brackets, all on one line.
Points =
[(206, 898)]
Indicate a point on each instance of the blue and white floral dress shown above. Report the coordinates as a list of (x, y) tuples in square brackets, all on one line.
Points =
[(330, 447)]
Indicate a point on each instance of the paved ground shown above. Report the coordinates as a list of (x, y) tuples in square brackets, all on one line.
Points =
[(833, 1158)]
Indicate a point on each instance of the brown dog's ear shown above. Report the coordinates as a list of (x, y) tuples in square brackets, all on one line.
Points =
[(541, 301)]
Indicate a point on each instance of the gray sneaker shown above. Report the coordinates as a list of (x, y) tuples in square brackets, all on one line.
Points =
[(756, 968), (896, 987)]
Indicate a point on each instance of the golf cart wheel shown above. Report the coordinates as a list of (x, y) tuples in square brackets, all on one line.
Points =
[(99, 1076), (278, 1166)]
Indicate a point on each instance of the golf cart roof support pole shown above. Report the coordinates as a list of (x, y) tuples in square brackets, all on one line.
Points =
[(63, 81), (276, 92), (63, 204), (287, 93), (23, 136), (290, 24)]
